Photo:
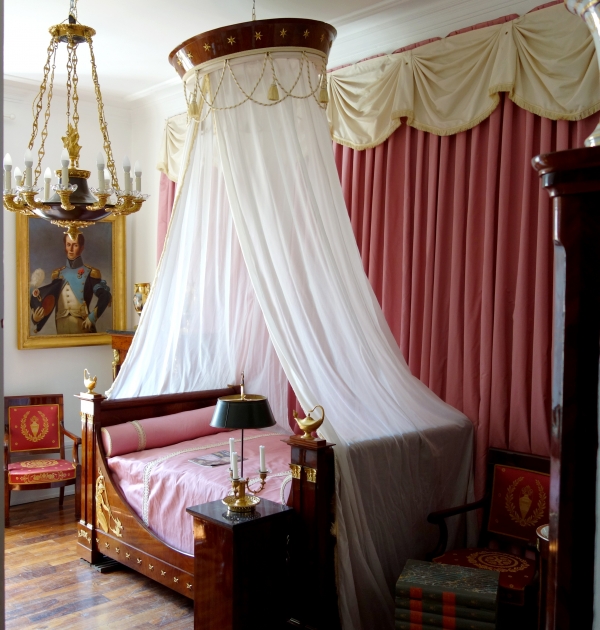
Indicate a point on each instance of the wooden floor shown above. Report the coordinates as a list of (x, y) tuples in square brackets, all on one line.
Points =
[(48, 586)]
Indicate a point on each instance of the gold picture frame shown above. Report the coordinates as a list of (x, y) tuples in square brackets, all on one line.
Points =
[(39, 233)]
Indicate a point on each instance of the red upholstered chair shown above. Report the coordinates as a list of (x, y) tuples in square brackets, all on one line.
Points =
[(515, 504), (33, 426)]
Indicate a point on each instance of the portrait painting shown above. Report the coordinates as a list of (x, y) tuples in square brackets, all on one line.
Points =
[(71, 290)]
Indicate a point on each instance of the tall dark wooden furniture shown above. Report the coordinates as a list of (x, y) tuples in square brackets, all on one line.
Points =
[(240, 567), (572, 178), (33, 426), (311, 541)]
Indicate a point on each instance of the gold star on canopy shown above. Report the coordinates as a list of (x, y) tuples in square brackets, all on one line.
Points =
[(283, 32), (306, 33), (322, 36), (179, 61), (207, 47), (190, 56), (231, 40), (258, 35)]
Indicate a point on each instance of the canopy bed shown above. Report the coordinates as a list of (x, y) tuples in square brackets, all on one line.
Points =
[(261, 273)]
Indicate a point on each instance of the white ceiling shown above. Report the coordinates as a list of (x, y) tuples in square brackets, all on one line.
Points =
[(134, 37)]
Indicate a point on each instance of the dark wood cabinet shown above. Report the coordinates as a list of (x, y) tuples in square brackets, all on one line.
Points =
[(240, 567), (572, 178)]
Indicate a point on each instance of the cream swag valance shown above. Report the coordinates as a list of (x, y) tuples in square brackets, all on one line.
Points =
[(545, 60)]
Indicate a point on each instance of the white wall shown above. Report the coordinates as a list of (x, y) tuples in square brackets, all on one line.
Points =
[(147, 124)]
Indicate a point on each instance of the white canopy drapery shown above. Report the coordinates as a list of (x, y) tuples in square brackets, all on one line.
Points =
[(269, 171)]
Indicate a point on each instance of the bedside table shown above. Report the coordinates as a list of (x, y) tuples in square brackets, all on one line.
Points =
[(240, 567)]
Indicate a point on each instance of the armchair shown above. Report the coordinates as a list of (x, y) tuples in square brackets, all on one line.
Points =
[(33, 425), (515, 504)]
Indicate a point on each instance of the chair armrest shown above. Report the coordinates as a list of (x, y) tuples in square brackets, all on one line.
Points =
[(76, 443), (439, 518)]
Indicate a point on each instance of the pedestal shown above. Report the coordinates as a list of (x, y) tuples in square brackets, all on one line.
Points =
[(572, 179), (240, 567), (120, 342)]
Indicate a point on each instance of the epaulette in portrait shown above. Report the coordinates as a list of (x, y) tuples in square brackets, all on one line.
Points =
[(56, 273), (94, 273)]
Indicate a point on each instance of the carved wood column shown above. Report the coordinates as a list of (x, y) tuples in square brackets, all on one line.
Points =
[(90, 406), (572, 178), (311, 542)]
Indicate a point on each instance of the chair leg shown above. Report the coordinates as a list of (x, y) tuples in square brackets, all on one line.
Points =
[(6, 506), (61, 497)]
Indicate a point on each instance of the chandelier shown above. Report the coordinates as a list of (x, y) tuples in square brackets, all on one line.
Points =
[(71, 203)]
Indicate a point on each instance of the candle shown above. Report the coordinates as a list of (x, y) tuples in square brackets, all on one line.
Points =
[(7, 171), (100, 165), (231, 449), (18, 176), (64, 160), (127, 169), (107, 179), (137, 169), (234, 465), (263, 466), (47, 178), (28, 169)]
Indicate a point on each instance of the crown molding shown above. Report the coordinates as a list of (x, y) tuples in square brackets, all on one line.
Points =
[(387, 26)]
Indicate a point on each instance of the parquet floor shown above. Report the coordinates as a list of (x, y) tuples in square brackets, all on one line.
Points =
[(48, 586)]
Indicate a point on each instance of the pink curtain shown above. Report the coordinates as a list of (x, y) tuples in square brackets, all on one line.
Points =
[(455, 235), (166, 196)]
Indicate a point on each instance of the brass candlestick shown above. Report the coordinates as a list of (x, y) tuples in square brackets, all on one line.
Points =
[(240, 501)]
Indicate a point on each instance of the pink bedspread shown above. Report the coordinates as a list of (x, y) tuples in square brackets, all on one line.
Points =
[(161, 483)]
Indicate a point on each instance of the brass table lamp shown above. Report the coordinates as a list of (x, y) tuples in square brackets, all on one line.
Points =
[(243, 411)]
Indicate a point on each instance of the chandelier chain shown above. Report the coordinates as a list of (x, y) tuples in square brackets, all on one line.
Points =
[(69, 79), (110, 162), (73, 9), (38, 104), (75, 96), (254, 10)]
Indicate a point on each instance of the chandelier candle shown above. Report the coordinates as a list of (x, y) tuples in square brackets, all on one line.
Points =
[(64, 160), (7, 172), (100, 164), (18, 176), (127, 170), (47, 180), (28, 168), (137, 169)]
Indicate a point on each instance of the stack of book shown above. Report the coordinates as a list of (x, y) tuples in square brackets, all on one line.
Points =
[(430, 596)]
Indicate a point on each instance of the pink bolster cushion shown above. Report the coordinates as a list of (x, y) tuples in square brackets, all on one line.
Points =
[(138, 435)]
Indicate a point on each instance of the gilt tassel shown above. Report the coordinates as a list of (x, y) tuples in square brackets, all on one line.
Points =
[(193, 111), (323, 95), (273, 94)]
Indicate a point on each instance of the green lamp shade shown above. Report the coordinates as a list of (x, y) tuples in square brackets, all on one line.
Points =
[(249, 412)]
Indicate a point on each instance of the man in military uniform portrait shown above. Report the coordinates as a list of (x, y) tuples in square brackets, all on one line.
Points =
[(70, 293)]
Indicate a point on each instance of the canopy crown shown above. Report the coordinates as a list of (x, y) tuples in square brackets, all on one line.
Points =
[(250, 37)]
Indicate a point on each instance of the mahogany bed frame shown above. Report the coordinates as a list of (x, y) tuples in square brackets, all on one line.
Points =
[(109, 527)]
